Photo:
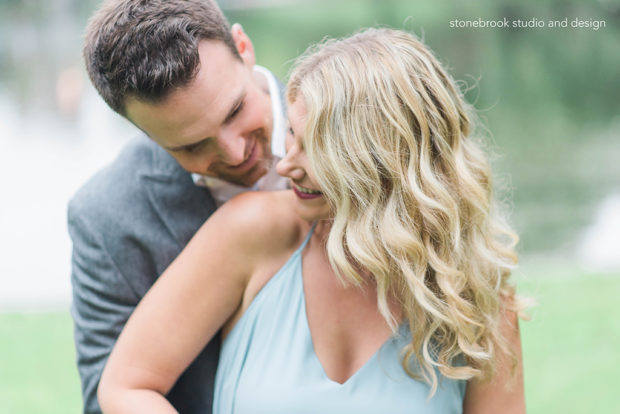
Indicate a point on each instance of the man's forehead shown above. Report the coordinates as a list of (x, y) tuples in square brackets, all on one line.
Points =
[(197, 110)]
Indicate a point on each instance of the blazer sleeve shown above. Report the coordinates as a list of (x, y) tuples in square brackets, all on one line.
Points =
[(102, 303), (127, 223)]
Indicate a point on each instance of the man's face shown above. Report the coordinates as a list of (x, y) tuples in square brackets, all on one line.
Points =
[(220, 124)]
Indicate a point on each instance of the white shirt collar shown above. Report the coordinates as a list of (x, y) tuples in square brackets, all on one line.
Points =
[(223, 191), (278, 131)]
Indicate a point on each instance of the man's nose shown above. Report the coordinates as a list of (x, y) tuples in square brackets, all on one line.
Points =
[(233, 147)]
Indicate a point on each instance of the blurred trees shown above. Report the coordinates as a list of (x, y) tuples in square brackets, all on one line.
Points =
[(549, 96)]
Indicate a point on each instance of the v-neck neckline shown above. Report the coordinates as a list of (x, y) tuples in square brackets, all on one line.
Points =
[(314, 355)]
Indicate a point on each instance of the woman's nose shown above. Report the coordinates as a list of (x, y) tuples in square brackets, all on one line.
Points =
[(287, 167)]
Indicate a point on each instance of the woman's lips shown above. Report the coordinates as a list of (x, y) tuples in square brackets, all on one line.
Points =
[(305, 195)]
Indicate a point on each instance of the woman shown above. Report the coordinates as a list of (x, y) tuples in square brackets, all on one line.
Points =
[(379, 283)]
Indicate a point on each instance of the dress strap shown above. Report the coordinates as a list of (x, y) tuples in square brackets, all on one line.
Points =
[(303, 245)]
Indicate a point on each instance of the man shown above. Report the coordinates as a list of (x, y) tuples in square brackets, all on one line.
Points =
[(212, 121)]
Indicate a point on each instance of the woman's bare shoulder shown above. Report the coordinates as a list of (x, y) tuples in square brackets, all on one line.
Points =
[(261, 219)]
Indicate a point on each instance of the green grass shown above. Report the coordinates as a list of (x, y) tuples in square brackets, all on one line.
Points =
[(572, 344), (37, 364), (571, 350)]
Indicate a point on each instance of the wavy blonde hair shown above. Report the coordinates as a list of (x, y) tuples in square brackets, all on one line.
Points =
[(390, 139)]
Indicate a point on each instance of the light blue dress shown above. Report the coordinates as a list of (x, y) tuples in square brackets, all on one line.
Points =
[(268, 364)]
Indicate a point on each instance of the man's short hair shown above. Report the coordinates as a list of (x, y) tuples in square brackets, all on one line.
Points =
[(147, 48)]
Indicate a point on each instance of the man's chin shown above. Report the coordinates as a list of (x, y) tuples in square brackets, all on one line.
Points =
[(245, 180), (251, 176)]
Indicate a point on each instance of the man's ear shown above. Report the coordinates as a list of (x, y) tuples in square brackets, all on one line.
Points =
[(243, 44)]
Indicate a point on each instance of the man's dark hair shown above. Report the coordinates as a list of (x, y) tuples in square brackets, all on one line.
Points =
[(148, 48)]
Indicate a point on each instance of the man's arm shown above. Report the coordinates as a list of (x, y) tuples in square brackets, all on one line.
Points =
[(127, 223), (102, 303)]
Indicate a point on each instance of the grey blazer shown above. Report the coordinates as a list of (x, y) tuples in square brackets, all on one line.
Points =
[(127, 223)]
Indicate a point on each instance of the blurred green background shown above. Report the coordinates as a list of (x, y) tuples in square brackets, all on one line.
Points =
[(550, 98)]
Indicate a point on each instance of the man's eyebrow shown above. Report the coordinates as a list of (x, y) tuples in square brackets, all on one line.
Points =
[(231, 112), (187, 146), (237, 103)]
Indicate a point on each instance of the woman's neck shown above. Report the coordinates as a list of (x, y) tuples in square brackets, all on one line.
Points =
[(322, 228)]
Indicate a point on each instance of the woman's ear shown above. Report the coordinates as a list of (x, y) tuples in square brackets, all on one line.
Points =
[(244, 45)]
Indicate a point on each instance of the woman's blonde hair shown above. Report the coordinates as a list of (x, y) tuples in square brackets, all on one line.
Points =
[(389, 137)]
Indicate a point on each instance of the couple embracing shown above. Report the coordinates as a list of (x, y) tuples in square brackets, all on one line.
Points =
[(342, 255)]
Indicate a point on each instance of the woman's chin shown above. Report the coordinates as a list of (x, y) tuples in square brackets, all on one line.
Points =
[(313, 213)]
